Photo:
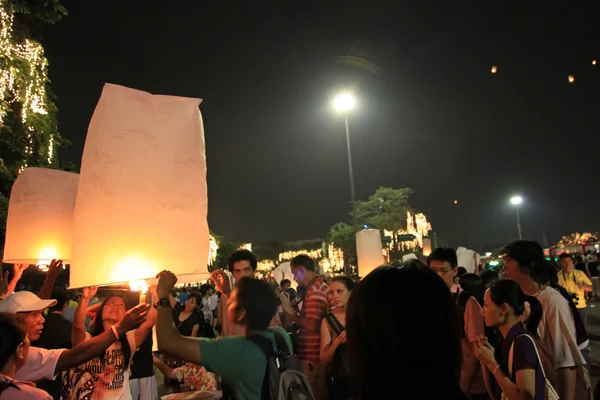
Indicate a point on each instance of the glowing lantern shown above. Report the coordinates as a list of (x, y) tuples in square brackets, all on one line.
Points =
[(571, 79), (593, 62), (494, 69), (455, 201), (142, 197), (426, 247), (369, 251), (39, 227)]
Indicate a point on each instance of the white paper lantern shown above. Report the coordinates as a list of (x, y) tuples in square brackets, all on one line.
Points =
[(284, 271), (426, 247), (142, 197), (39, 227), (369, 251), (467, 259)]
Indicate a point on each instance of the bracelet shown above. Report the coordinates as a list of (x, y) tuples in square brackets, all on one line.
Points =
[(496, 369), (115, 332)]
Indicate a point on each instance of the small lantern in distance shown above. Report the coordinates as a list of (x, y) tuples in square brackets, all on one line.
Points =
[(369, 250), (494, 69), (571, 79), (39, 226), (593, 62)]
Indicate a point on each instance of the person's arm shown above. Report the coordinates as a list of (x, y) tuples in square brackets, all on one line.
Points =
[(170, 341), (488, 381), (314, 308), (567, 378), (18, 270), (164, 369), (524, 389), (78, 329), (195, 330), (222, 283), (97, 345), (473, 329), (584, 282), (328, 347), (54, 270)]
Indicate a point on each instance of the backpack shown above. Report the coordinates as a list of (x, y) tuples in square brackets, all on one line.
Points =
[(283, 378), (550, 392), (580, 330)]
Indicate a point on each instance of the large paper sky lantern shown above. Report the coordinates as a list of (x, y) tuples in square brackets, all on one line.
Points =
[(142, 196), (39, 227), (369, 251)]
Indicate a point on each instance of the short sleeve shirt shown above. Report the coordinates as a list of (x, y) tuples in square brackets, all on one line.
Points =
[(557, 329), (524, 357), (22, 391), (239, 362), (40, 364), (573, 282), (316, 304)]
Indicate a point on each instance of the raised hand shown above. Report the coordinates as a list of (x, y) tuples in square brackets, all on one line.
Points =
[(166, 282), (18, 270), (221, 281), (89, 292), (55, 267), (133, 318)]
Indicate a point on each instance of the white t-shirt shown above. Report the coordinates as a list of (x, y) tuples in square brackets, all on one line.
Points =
[(102, 378), (40, 364), (557, 329)]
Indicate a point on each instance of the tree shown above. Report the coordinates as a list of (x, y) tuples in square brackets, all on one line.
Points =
[(577, 239), (28, 127), (386, 209), (269, 250), (343, 236)]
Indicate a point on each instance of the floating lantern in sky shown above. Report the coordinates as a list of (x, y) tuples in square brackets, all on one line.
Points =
[(455, 201), (39, 226), (593, 62), (571, 79), (426, 247), (494, 69), (142, 196), (369, 251)]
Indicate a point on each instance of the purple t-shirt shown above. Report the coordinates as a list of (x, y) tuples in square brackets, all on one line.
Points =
[(524, 357)]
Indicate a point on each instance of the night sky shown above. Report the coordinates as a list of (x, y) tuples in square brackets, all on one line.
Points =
[(430, 114)]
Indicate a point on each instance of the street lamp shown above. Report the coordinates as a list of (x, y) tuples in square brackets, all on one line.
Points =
[(516, 201), (344, 103)]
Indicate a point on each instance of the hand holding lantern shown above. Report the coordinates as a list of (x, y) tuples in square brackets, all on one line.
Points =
[(133, 319), (166, 282)]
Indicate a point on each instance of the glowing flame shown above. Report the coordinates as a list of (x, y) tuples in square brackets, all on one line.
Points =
[(138, 286)]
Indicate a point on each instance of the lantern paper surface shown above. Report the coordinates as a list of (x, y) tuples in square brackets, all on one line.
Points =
[(142, 196), (284, 271), (467, 259), (426, 247), (369, 251), (40, 216)]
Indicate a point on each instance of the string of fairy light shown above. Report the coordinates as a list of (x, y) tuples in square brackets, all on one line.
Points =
[(23, 81)]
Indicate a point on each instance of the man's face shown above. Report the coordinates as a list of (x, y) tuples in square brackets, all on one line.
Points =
[(444, 270), (300, 275), (34, 323), (242, 269), (511, 270), (567, 264), (286, 286)]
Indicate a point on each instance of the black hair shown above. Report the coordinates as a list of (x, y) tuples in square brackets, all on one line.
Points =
[(284, 281), (446, 254), (562, 256), (473, 284), (489, 276), (530, 257), (198, 297), (258, 300), (242, 255), (303, 261), (509, 292), (344, 280), (12, 334), (61, 298), (204, 288), (98, 328), (460, 271), (376, 335)]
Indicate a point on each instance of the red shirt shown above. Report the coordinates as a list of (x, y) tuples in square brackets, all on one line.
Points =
[(315, 305)]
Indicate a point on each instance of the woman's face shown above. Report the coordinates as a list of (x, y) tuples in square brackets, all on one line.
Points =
[(114, 309), (493, 315), (190, 304), (340, 294)]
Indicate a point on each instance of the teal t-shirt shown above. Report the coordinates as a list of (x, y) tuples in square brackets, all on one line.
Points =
[(239, 362)]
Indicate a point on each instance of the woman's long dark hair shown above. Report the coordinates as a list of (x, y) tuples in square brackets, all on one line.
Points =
[(402, 328), (98, 328), (509, 292), (12, 334)]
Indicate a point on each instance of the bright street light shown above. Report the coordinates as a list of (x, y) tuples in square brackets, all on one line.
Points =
[(344, 102), (516, 201)]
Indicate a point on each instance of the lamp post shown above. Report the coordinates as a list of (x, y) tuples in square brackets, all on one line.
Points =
[(344, 103), (516, 201)]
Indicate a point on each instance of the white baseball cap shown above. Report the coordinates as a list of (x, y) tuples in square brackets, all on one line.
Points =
[(24, 302)]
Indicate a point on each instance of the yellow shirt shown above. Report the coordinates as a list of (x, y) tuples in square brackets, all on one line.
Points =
[(573, 282)]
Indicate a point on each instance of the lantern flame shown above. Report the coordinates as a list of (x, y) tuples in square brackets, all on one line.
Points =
[(138, 286), (494, 69), (571, 79)]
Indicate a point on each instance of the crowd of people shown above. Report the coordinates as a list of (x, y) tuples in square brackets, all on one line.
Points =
[(417, 330)]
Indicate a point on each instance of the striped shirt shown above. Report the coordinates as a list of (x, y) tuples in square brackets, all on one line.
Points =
[(315, 305)]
